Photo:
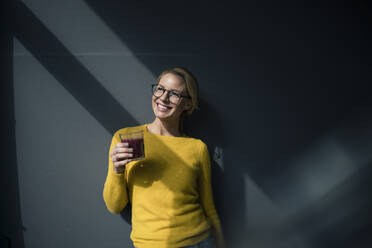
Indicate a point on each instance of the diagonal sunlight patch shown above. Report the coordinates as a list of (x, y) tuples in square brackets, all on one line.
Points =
[(316, 171), (61, 159), (100, 51), (68, 71), (267, 224)]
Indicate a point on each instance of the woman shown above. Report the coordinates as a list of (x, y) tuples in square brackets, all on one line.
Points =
[(170, 190)]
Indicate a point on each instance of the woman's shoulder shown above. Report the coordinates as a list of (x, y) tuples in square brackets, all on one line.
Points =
[(196, 142)]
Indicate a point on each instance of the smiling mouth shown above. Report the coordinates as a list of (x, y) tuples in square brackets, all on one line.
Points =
[(162, 107)]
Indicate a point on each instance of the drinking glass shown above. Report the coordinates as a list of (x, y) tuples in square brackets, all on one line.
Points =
[(135, 141)]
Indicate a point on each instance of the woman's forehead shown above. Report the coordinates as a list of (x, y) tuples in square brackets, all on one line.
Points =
[(172, 82)]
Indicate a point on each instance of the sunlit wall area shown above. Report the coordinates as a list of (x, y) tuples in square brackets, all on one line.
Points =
[(73, 88)]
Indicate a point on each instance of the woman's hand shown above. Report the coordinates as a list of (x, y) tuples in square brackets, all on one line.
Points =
[(120, 156)]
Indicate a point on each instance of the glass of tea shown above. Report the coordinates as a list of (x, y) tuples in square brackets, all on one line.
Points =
[(136, 142)]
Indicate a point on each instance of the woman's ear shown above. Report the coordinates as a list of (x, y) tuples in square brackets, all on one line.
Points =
[(188, 105)]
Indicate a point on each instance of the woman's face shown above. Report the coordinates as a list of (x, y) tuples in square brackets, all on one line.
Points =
[(163, 108)]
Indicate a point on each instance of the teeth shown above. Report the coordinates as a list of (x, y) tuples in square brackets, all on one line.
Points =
[(163, 107)]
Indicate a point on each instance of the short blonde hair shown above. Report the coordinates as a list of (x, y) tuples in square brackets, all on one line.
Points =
[(191, 85)]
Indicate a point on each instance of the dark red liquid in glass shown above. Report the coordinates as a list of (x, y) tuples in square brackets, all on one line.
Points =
[(137, 145)]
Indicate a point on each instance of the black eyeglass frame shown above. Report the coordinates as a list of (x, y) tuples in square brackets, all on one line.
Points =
[(170, 91)]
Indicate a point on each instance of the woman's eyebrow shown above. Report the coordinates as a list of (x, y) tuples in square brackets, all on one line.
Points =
[(170, 90)]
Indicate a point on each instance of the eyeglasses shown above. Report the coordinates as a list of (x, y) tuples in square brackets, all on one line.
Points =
[(173, 96)]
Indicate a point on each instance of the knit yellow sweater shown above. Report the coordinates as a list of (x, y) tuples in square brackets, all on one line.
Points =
[(170, 192)]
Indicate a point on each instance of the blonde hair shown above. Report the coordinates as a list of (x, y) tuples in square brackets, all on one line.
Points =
[(191, 86)]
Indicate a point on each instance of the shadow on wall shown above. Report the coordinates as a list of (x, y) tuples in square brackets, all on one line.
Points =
[(208, 125), (11, 224), (68, 71), (73, 76)]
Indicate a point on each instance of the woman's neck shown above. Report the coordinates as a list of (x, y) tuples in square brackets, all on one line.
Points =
[(165, 128)]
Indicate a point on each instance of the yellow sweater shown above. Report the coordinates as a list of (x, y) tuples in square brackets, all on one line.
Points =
[(170, 192)]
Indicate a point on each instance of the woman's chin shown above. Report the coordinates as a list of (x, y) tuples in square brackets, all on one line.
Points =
[(164, 116), (161, 115)]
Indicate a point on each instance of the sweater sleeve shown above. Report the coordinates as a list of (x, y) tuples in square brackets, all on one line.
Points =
[(115, 192), (206, 196)]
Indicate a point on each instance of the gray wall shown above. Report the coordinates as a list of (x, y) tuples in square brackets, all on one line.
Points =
[(284, 93)]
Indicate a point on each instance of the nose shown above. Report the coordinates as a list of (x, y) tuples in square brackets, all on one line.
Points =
[(165, 97)]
